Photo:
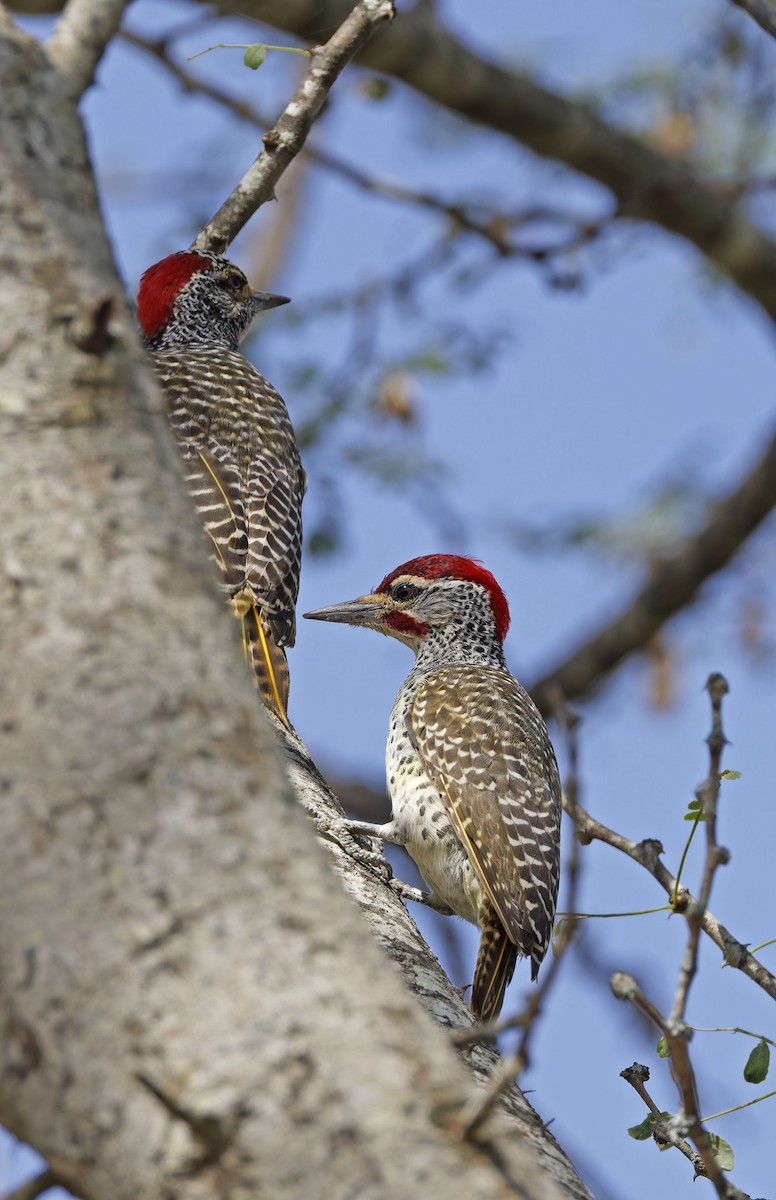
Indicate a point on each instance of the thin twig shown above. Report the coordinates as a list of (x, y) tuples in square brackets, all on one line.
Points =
[(284, 141), (624, 987), (79, 40), (646, 854), (707, 793), (637, 1076), (492, 227), (737, 1107), (649, 185)]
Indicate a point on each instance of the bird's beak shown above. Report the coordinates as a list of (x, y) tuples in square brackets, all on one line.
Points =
[(264, 300), (366, 610)]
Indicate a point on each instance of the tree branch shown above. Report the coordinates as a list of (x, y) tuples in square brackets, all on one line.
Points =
[(492, 227), (173, 936), (79, 40), (707, 794), (675, 1029), (671, 587), (637, 1076), (284, 141), (646, 854), (624, 987), (761, 12), (649, 186)]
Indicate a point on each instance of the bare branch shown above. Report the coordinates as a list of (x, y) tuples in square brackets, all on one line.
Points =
[(675, 1030), (707, 794), (491, 227), (761, 12), (671, 587), (649, 186), (637, 1076), (283, 142), (646, 854), (79, 40), (624, 987)]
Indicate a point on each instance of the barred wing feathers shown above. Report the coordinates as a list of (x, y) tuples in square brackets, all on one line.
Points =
[(244, 474), (484, 745)]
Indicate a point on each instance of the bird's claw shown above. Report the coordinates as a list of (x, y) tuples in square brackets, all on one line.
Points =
[(351, 842)]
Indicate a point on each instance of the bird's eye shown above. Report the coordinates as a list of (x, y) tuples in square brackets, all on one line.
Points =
[(404, 591), (234, 281)]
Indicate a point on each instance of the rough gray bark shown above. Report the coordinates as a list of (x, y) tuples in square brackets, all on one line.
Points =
[(190, 1005)]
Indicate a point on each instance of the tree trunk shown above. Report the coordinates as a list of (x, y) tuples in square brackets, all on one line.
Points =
[(190, 1004)]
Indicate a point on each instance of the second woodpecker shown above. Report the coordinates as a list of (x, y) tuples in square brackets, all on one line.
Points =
[(472, 777), (241, 459)]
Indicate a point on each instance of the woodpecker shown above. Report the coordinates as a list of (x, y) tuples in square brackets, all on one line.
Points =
[(241, 460), (472, 777)]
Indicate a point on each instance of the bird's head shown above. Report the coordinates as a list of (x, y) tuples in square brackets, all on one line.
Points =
[(197, 298), (438, 592)]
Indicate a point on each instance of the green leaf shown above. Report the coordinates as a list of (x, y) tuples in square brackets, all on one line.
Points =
[(722, 1151), (643, 1131), (757, 1063), (662, 1047), (254, 56), (556, 935), (730, 775)]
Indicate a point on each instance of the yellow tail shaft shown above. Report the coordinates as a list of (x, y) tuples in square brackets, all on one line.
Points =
[(268, 663), (495, 966)]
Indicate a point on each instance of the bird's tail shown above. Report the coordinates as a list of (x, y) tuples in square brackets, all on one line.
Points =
[(495, 967), (268, 662)]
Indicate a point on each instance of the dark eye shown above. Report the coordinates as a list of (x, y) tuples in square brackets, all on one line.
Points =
[(234, 281), (404, 591)]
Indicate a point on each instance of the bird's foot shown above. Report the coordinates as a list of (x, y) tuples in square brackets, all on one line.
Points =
[(407, 892), (349, 834)]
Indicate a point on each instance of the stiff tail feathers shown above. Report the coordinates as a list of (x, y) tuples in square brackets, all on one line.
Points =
[(495, 967), (268, 662)]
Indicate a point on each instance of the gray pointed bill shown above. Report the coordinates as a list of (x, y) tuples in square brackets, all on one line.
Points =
[(264, 300), (366, 610)]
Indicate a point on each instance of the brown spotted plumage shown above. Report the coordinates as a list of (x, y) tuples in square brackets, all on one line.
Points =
[(474, 785), (241, 461)]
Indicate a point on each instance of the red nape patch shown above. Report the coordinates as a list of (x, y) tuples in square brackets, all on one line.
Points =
[(160, 285), (456, 566), (404, 623)]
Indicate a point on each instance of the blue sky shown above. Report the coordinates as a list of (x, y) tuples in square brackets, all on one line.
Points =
[(598, 395)]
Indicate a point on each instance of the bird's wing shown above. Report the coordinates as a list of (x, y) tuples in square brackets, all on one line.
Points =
[(250, 433), (273, 510), (214, 484), (212, 472), (485, 747)]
